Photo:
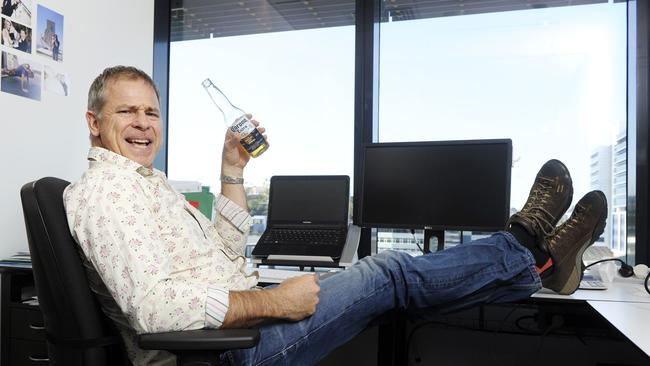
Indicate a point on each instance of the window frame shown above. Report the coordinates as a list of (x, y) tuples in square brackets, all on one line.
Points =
[(367, 23)]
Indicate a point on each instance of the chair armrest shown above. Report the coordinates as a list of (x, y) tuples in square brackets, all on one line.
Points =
[(201, 339)]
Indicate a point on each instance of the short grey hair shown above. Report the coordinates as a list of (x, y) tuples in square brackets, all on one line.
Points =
[(97, 91)]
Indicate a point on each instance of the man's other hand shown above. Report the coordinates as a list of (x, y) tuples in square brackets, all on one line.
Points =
[(297, 297)]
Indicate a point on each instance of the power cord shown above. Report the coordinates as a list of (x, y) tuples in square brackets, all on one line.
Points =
[(626, 271), (416, 241), (498, 330), (557, 321)]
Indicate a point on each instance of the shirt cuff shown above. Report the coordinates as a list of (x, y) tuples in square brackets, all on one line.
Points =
[(216, 306), (233, 213)]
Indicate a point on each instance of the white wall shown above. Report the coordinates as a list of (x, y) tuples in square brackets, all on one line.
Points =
[(50, 138)]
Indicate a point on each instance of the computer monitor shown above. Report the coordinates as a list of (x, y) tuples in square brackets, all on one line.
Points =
[(439, 185)]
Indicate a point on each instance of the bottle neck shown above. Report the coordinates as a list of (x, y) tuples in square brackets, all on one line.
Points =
[(229, 111)]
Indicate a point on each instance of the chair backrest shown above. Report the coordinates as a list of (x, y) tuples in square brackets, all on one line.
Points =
[(77, 330)]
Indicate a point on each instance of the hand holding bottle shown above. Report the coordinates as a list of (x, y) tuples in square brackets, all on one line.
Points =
[(234, 156)]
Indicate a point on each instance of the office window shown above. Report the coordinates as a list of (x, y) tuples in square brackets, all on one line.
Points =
[(290, 64), (553, 79)]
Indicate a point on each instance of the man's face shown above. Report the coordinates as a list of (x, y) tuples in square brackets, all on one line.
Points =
[(23, 35), (129, 123)]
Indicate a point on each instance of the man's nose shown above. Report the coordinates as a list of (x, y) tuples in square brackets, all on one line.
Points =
[(141, 120)]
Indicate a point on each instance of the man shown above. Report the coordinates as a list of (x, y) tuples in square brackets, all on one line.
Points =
[(55, 47), (157, 265), (24, 73), (24, 43)]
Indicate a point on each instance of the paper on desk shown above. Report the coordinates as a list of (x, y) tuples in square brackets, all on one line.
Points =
[(270, 275)]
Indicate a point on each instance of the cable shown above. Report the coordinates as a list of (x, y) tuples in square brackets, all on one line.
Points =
[(521, 327), (411, 335), (556, 322), (605, 260), (416, 241), (498, 329), (626, 270)]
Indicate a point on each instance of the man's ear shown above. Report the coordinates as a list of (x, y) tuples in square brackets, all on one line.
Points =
[(93, 123)]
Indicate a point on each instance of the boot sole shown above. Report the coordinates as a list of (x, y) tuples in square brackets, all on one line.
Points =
[(573, 281)]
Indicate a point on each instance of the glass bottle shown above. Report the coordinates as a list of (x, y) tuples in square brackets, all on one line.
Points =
[(236, 119)]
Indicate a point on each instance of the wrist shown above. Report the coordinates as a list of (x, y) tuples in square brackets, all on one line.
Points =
[(229, 179), (273, 308), (232, 171)]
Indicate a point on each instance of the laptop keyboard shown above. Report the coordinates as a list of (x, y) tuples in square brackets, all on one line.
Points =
[(308, 236)]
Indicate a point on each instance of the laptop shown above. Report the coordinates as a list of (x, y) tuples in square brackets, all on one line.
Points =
[(307, 219)]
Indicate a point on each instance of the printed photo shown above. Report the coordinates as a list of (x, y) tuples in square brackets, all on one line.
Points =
[(18, 10), (49, 27), (20, 76), (16, 36), (55, 82)]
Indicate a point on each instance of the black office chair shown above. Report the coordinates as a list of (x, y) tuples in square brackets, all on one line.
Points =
[(78, 332)]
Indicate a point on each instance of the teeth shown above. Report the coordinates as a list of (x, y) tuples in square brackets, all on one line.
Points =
[(137, 141)]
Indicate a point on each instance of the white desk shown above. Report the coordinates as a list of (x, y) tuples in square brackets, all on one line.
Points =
[(625, 304), (630, 318), (621, 290)]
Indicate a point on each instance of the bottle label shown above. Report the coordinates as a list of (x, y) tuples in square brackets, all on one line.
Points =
[(251, 138), (252, 141), (242, 126)]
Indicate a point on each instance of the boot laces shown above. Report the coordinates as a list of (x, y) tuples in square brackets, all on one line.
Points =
[(535, 206), (572, 223)]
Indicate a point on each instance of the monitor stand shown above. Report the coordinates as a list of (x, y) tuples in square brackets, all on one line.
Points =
[(428, 234)]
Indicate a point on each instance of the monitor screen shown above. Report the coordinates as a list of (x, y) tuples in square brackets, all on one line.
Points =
[(322, 199), (444, 185)]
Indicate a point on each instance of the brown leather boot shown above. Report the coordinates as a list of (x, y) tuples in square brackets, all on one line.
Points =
[(549, 198), (571, 239)]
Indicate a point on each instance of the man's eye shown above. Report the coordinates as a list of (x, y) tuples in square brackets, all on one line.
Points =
[(152, 114)]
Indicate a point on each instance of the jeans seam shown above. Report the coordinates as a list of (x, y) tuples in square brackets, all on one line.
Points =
[(457, 280), (323, 324)]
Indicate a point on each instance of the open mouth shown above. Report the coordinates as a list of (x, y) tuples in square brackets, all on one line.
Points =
[(139, 142)]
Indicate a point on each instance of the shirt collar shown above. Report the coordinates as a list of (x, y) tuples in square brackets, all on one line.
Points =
[(99, 154)]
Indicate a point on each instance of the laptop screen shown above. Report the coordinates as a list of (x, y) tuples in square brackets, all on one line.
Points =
[(317, 200)]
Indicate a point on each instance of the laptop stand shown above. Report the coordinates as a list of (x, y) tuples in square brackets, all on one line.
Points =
[(348, 256)]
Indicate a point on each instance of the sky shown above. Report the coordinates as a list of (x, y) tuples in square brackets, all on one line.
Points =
[(553, 80)]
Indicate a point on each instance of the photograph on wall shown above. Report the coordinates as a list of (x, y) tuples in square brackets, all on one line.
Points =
[(49, 29), (55, 82), (18, 10), (16, 36), (20, 76)]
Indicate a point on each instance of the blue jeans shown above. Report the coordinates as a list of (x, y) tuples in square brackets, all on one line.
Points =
[(493, 269)]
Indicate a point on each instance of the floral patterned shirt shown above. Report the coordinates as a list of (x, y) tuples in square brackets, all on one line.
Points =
[(158, 262)]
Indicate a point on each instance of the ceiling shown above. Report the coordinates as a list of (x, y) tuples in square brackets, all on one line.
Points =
[(197, 19)]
